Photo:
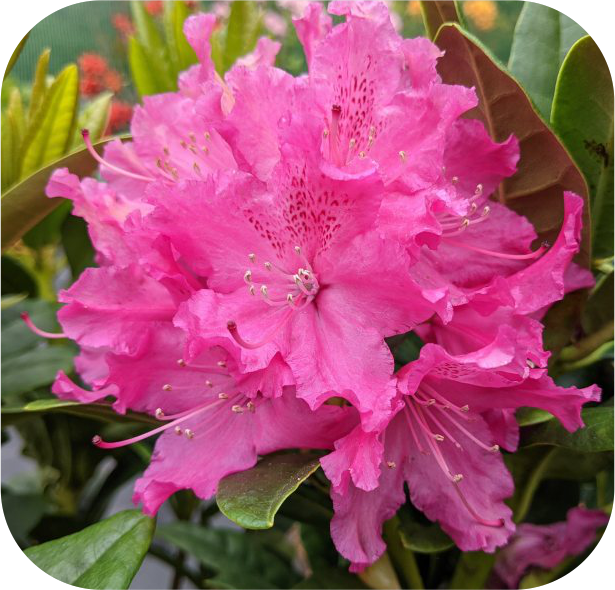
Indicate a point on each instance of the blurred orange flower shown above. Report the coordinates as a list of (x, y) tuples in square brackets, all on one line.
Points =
[(482, 13)]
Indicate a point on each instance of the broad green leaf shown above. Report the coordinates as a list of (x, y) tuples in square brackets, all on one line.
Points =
[(51, 131), (435, 13), (98, 411), (15, 111), (242, 31), (94, 118), (107, 554), (34, 368), (596, 436), (530, 416), (16, 336), (238, 558), (421, 538), (22, 512), (545, 169), (583, 118), (541, 40), (252, 498), (141, 70), (10, 147), (15, 55), (25, 204), (39, 86)]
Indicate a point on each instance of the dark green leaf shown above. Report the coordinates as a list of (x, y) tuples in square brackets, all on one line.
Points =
[(542, 37), (25, 204), (107, 554), (16, 336), (98, 411), (596, 436), (16, 279), (436, 13), (34, 368), (599, 309), (419, 537), (252, 498), (47, 231), (22, 512), (583, 118), (238, 559), (77, 245)]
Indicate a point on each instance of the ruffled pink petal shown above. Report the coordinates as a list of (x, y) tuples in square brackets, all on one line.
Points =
[(114, 308), (311, 28), (264, 54)]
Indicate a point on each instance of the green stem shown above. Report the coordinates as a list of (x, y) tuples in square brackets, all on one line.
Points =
[(532, 484), (590, 359), (602, 480), (588, 345), (403, 558)]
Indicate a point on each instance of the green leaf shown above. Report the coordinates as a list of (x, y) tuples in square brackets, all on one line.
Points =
[(140, 69), (596, 436), (599, 309), (107, 554), (98, 411), (16, 336), (25, 204), (545, 168), (34, 368), (15, 55), (531, 416), (238, 558), (16, 279), (252, 498), (242, 31), (94, 118), (181, 53), (421, 538), (583, 118), (22, 512), (9, 301), (39, 86), (77, 245), (10, 147), (435, 13), (47, 231), (152, 52), (541, 40), (50, 132)]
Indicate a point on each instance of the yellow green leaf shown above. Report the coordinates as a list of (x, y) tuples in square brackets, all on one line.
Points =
[(54, 123), (39, 86)]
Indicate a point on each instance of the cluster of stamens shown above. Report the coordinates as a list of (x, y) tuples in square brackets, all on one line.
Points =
[(278, 289), (220, 391), (341, 154), (430, 418)]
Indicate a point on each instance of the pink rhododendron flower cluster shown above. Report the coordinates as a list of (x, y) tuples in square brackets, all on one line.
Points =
[(261, 236)]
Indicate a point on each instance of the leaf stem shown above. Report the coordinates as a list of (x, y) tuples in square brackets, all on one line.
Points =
[(403, 558), (588, 344), (532, 484)]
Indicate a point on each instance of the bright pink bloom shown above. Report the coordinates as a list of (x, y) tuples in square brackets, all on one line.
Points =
[(444, 443), (545, 546)]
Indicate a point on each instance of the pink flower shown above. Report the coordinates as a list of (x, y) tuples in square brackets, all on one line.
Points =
[(545, 546), (444, 443)]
